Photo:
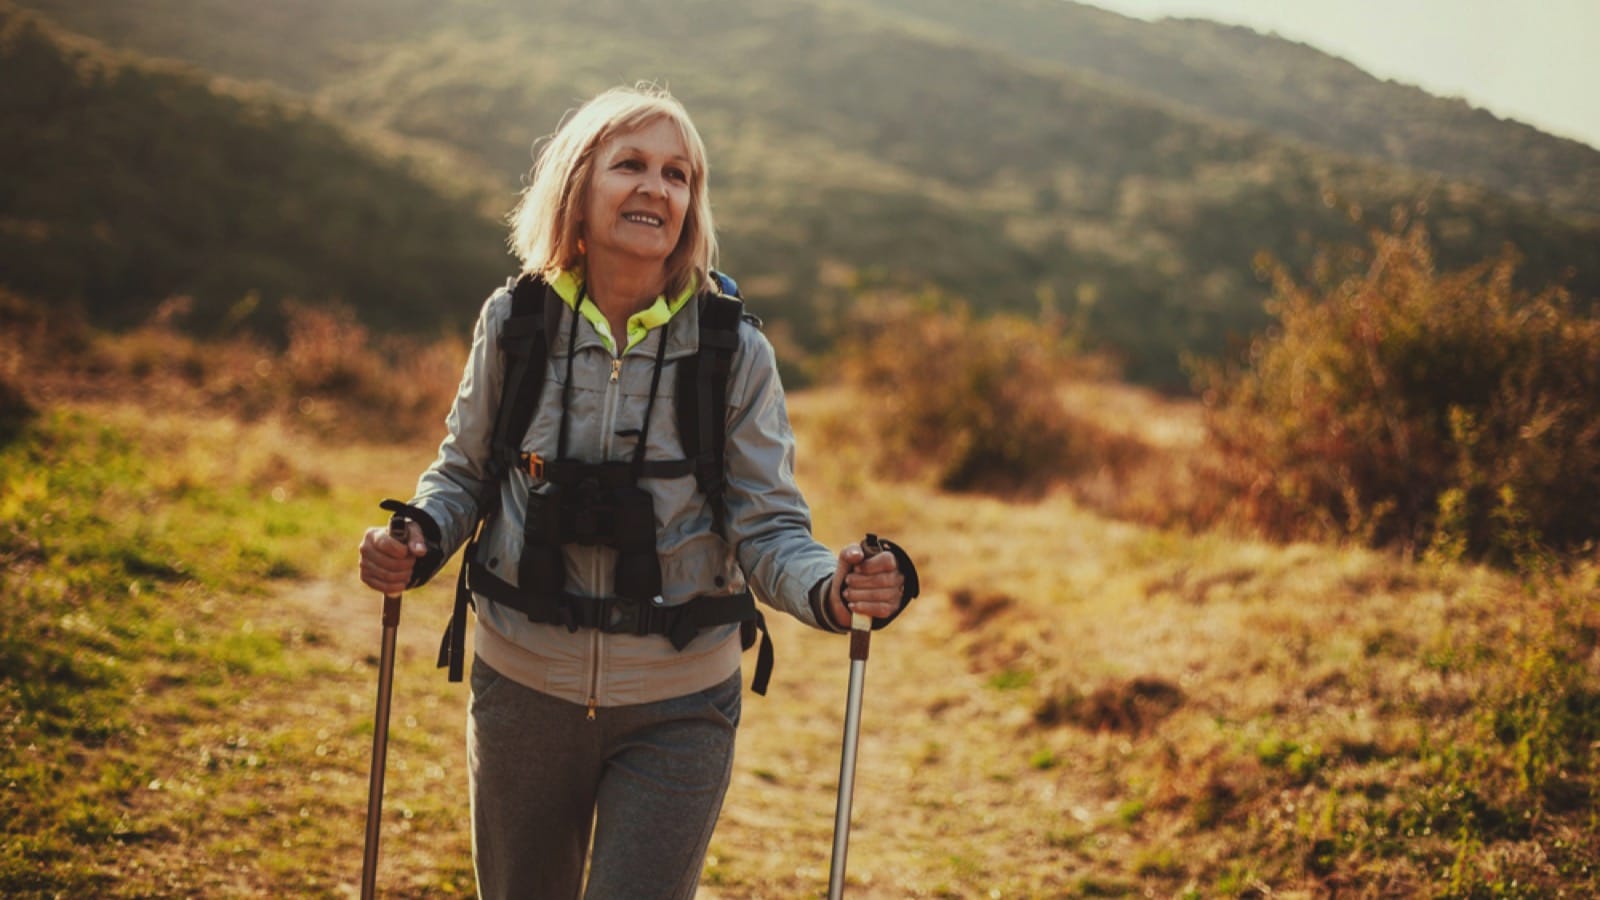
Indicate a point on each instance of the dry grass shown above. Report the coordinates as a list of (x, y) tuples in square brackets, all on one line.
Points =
[(1079, 706)]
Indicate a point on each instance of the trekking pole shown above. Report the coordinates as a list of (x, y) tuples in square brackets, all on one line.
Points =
[(860, 642), (380, 727)]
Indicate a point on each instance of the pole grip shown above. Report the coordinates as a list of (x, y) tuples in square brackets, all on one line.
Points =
[(391, 604), (861, 626)]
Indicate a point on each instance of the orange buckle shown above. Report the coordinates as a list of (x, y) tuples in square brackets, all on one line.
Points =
[(534, 463)]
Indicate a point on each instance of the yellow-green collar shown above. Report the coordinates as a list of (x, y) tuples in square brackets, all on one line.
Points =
[(567, 284)]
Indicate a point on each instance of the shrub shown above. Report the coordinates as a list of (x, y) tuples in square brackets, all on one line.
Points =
[(971, 402), (15, 410), (29, 332), (339, 378), (332, 377), (1448, 411)]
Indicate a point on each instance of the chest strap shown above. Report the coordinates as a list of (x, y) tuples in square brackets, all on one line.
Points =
[(617, 615)]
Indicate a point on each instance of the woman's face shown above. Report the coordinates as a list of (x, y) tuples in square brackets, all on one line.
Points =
[(638, 195)]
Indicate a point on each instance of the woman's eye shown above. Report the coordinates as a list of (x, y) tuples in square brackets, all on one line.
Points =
[(677, 174)]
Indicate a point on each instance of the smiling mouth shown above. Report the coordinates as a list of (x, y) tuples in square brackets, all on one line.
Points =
[(638, 218)]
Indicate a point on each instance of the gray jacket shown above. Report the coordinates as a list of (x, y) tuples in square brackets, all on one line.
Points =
[(769, 544)]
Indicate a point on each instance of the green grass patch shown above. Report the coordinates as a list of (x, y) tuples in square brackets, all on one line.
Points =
[(1011, 680), (156, 702)]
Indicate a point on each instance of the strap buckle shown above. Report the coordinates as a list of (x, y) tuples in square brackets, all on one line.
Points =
[(533, 464), (619, 615)]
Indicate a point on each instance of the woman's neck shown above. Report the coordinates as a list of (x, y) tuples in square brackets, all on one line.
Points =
[(622, 290), (626, 289)]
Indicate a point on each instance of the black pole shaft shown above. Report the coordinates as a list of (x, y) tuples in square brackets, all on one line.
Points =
[(380, 730)]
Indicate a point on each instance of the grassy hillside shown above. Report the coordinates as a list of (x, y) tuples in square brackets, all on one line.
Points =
[(1077, 707), (123, 184), (1283, 87), (852, 148)]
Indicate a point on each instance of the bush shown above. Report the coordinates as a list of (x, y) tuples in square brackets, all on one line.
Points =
[(28, 333), (971, 403), (1453, 412), (331, 377), (338, 379), (15, 410)]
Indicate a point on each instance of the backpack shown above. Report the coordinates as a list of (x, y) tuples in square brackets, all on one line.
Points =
[(701, 396)]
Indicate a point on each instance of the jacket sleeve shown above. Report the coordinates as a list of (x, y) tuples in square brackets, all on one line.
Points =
[(455, 486), (769, 523)]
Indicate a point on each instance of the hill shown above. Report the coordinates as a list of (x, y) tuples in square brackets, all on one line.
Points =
[(1283, 87), (124, 184), (855, 149)]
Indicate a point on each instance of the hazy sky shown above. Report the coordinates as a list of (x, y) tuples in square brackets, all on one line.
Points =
[(1537, 61)]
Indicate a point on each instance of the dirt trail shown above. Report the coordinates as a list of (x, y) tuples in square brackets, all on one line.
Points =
[(941, 782)]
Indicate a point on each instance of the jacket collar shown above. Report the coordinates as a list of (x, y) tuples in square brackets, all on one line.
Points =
[(683, 338), (568, 285)]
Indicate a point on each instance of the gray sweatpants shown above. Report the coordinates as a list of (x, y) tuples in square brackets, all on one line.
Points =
[(647, 779)]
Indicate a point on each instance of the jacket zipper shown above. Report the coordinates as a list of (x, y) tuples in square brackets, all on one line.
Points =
[(594, 673), (596, 575)]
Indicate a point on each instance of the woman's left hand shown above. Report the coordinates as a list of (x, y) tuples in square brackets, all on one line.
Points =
[(866, 586)]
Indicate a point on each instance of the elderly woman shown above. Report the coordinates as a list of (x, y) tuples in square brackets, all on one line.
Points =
[(612, 577)]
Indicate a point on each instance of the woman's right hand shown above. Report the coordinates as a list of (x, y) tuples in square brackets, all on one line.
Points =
[(386, 563)]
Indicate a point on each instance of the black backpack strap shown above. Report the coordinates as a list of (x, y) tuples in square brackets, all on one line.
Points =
[(525, 342), (453, 643), (703, 382)]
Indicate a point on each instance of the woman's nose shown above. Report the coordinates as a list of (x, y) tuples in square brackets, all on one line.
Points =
[(653, 184)]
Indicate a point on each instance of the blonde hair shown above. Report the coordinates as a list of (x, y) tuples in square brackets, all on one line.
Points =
[(545, 225)]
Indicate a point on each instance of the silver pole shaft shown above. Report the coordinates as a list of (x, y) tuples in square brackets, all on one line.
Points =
[(860, 644), (847, 779)]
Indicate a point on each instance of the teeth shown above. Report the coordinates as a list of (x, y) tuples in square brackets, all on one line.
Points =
[(642, 218)]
